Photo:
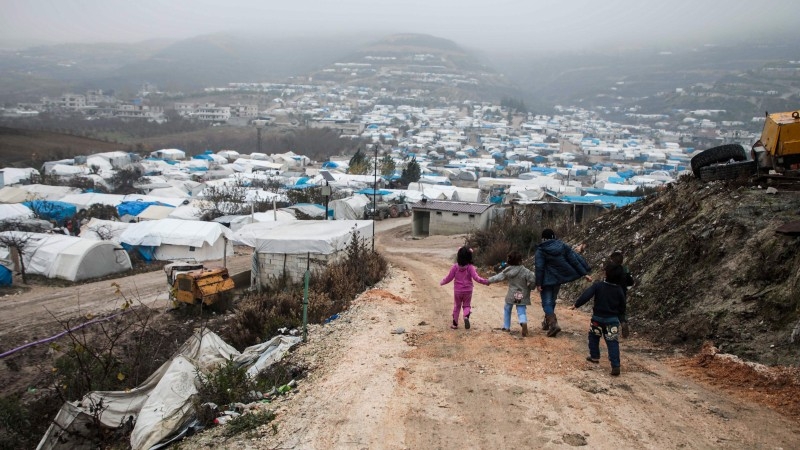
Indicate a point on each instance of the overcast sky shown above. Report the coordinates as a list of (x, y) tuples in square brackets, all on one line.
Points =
[(487, 24)]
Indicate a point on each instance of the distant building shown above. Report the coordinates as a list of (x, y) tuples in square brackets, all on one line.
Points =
[(440, 217)]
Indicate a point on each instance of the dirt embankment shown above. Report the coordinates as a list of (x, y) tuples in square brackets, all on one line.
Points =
[(710, 266)]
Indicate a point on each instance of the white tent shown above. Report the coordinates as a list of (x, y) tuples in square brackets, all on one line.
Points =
[(70, 258), (155, 212), (286, 249), (13, 194), (169, 153), (303, 236), (15, 212), (103, 230), (180, 239), (12, 175), (350, 208), (237, 222), (161, 407)]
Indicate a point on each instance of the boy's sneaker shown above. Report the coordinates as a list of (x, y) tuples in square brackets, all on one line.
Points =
[(454, 325), (593, 360), (615, 371), (466, 322)]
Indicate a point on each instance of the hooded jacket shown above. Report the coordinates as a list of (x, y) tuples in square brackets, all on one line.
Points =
[(609, 300), (520, 280), (463, 276), (557, 263)]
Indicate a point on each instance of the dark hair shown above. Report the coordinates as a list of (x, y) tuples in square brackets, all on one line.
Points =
[(514, 258), (547, 233), (616, 257), (464, 256), (615, 274)]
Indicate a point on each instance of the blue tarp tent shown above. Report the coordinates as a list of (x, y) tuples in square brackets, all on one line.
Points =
[(369, 191), (5, 276), (604, 200), (52, 210)]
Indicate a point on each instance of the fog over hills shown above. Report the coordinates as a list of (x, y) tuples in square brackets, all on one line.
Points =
[(611, 77)]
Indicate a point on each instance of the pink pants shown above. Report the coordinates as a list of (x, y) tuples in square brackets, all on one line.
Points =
[(461, 300)]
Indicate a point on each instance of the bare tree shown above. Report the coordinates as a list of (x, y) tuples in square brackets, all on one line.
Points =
[(19, 241)]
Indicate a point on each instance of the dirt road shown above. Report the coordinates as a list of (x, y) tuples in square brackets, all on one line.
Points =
[(391, 374)]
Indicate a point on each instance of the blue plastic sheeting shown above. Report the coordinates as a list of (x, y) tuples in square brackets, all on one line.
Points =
[(198, 169), (145, 251), (617, 180), (6, 277), (203, 156), (368, 191), (626, 173), (496, 200), (135, 208), (302, 180), (544, 170), (330, 165), (52, 210), (605, 200)]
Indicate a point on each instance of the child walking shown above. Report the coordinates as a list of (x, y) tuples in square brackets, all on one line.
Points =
[(607, 313), (463, 272), (520, 282)]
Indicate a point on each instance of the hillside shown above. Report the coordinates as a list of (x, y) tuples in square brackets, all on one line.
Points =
[(19, 146), (710, 266)]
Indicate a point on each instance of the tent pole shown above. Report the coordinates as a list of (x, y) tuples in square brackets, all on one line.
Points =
[(305, 297)]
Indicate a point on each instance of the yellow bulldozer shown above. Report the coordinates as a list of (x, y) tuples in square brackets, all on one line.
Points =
[(191, 283), (779, 146), (776, 154)]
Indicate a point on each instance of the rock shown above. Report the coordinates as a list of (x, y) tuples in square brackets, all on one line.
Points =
[(400, 330)]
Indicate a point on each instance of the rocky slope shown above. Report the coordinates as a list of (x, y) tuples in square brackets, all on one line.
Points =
[(710, 265)]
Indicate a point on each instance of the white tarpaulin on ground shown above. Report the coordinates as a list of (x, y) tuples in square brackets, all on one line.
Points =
[(303, 236), (350, 208), (68, 257), (180, 239), (161, 406)]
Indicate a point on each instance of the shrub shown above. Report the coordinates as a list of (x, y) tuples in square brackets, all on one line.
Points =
[(228, 383), (331, 290), (247, 422)]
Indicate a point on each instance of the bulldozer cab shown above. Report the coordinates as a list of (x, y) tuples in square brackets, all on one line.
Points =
[(779, 145)]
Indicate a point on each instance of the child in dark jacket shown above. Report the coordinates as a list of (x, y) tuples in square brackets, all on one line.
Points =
[(607, 313), (556, 263), (463, 272)]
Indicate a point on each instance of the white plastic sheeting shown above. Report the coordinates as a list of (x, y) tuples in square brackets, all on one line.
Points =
[(303, 236), (103, 230), (70, 258), (177, 239), (350, 208), (161, 405), (15, 212)]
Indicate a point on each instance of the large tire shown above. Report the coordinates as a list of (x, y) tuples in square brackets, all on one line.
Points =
[(722, 153), (731, 171)]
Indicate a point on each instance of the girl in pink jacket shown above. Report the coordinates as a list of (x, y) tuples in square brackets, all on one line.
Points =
[(463, 272)]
